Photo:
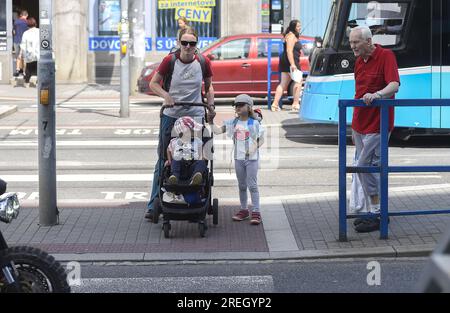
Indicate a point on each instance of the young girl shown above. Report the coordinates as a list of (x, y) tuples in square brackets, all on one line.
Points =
[(247, 134), (188, 147)]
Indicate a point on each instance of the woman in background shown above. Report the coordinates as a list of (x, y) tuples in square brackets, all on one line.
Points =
[(289, 61)]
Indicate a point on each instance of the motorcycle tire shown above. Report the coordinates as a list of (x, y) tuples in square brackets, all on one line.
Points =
[(39, 272)]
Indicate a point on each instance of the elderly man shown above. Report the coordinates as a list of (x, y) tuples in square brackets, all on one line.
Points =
[(376, 77)]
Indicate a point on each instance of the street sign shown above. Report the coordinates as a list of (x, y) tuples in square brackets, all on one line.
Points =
[(3, 28)]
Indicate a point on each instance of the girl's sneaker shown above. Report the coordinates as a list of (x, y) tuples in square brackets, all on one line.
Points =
[(197, 179), (256, 218), (173, 180), (241, 215)]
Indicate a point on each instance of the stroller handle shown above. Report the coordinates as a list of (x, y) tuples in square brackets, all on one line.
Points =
[(184, 104)]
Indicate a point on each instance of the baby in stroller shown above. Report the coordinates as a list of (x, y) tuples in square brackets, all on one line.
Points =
[(185, 152)]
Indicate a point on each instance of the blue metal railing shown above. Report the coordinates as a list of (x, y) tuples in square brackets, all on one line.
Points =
[(384, 169), (270, 72)]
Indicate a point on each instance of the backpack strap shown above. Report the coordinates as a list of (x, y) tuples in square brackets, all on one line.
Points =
[(202, 61), (235, 121), (168, 78)]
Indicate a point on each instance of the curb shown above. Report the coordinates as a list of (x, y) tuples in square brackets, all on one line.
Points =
[(6, 110), (380, 252)]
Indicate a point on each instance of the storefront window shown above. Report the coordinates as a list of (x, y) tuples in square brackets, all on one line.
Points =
[(108, 17), (3, 31), (265, 16), (203, 15)]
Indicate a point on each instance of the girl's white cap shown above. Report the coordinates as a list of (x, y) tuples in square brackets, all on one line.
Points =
[(244, 98)]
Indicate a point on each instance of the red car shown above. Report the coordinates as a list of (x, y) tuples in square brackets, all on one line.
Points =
[(239, 64)]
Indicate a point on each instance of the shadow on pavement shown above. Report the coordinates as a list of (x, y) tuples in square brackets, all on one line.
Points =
[(327, 134)]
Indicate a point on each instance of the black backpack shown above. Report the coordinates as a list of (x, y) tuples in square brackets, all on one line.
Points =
[(168, 78)]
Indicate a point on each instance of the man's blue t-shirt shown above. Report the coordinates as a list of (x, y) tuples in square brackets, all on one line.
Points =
[(20, 26)]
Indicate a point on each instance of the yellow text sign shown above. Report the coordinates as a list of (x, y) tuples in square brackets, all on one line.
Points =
[(173, 4), (194, 14)]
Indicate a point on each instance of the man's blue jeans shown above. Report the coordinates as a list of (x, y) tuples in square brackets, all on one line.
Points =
[(165, 129)]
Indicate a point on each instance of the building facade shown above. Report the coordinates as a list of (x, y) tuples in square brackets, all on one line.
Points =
[(86, 42)]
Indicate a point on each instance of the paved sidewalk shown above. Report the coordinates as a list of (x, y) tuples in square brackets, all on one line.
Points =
[(118, 232), (314, 221)]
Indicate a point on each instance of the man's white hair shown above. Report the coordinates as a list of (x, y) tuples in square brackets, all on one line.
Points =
[(366, 33)]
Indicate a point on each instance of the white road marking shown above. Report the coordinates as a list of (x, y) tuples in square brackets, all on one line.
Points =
[(397, 176), (86, 127), (273, 199), (121, 196), (96, 143), (202, 284), (102, 177)]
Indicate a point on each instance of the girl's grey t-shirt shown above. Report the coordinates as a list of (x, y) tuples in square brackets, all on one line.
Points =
[(185, 86)]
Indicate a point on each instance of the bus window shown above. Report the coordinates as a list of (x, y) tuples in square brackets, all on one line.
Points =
[(331, 26), (446, 34), (386, 20)]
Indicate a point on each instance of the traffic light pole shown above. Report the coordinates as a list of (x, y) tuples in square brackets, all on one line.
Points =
[(48, 211), (124, 61)]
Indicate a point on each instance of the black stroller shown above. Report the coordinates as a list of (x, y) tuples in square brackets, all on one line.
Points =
[(192, 211)]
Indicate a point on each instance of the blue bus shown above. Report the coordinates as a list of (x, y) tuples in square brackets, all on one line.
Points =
[(418, 31)]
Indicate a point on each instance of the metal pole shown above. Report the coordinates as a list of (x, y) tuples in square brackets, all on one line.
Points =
[(137, 41), (48, 211), (342, 143), (384, 171), (124, 61), (269, 74)]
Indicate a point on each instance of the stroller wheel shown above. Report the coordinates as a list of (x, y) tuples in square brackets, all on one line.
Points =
[(166, 228), (215, 211), (202, 229), (156, 210)]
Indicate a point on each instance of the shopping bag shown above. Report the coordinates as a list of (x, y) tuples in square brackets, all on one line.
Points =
[(358, 202), (296, 75)]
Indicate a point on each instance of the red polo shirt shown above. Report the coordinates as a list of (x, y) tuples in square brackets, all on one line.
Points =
[(372, 76)]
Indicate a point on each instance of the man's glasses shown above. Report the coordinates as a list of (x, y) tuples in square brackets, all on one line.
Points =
[(190, 43), (239, 104)]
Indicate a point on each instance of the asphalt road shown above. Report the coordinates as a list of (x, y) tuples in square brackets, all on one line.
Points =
[(395, 275)]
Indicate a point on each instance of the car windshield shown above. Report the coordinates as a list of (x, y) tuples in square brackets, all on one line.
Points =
[(211, 44)]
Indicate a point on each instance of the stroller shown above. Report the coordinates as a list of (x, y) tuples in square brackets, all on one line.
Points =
[(182, 201)]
